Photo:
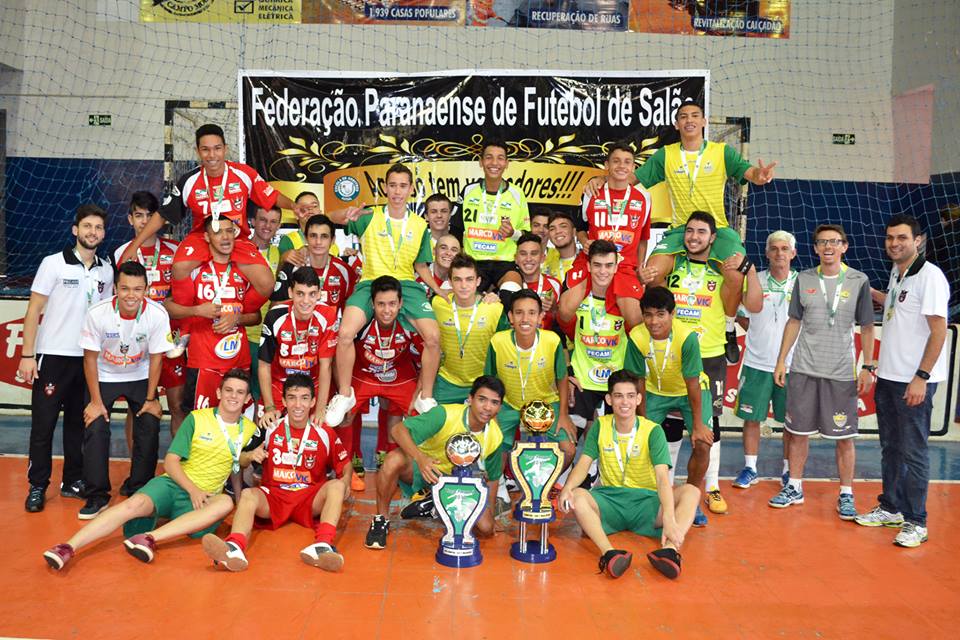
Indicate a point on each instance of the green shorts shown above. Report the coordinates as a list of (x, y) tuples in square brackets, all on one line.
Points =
[(448, 393), (415, 304), (757, 391), (624, 509), (659, 406), (726, 244), (169, 501), (509, 419), (418, 483)]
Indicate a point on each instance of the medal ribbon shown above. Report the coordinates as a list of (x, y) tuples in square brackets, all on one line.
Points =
[(215, 206), (896, 285), (533, 354), (832, 308), (90, 284), (623, 207), (616, 448), (220, 284), (234, 447), (696, 167), (396, 246), (653, 359), (303, 438), (462, 339), (123, 343)]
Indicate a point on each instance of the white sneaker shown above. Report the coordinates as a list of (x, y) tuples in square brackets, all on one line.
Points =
[(422, 405), (338, 408), (911, 535), (322, 555), (879, 517), (224, 554), (179, 346)]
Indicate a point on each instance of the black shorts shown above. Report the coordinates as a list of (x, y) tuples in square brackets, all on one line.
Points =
[(492, 271), (587, 402), (716, 370)]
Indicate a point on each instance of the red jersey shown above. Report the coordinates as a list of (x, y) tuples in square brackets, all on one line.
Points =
[(548, 288), (337, 281), (228, 194), (158, 260), (382, 354), (305, 459), (209, 350), (622, 219), (443, 284), (292, 346)]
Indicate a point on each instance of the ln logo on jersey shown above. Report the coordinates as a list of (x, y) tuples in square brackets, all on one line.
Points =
[(229, 346)]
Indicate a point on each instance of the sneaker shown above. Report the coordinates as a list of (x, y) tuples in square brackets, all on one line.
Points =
[(223, 553), (666, 561), (421, 506), (732, 349), (141, 546), (787, 496), (58, 556), (879, 517), (381, 456), (377, 534), (323, 556), (357, 482), (422, 405), (715, 501), (125, 490), (845, 506), (510, 484), (180, 343), (75, 489), (911, 535), (615, 562), (746, 478), (338, 408), (93, 507), (36, 498), (699, 519)]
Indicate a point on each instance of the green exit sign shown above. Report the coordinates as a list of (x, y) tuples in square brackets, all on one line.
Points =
[(844, 138), (99, 120)]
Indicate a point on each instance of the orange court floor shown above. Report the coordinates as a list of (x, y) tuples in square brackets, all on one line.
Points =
[(754, 573)]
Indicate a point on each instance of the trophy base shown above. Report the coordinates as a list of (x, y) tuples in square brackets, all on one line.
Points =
[(470, 559), (529, 551)]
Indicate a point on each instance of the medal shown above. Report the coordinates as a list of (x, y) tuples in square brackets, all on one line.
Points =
[(125, 340), (234, 447), (215, 209), (832, 307)]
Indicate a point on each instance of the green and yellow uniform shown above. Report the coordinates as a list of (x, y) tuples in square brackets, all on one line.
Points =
[(206, 458), (390, 248), (696, 289), (628, 498), (696, 181), (599, 344), (431, 430), (482, 213), (666, 365), (554, 265), (531, 374), (464, 340)]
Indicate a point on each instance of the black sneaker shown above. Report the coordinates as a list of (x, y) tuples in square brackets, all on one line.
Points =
[(615, 562), (421, 506), (93, 507), (732, 349), (35, 499), (75, 489), (666, 561), (125, 490), (377, 535)]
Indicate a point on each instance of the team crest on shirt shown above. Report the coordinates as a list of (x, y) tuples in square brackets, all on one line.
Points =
[(50, 389), (617, 325), (167, 274), (310, 461), (238, 203), (840, 419), (100, 285), (902, 296), (634, 220), (712, 285)]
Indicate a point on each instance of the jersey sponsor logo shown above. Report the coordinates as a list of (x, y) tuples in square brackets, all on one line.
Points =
[(110, 334), (600, 341), (205, 436), (71, 283), (277, 440), (233, 187), (334, 281), (387, 376), (692, 299), (290, 475), (286, 335), (229, 346), (296, 365), (689, 314), (599, 354)]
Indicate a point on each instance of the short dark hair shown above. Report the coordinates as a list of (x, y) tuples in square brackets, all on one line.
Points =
[(437, 197), (489, 382), (830, 227), (384, 284), (618, 377), (494, 142), (620, 146), (689, 102), (529, 236), (703, 216), (143, 200), (238, 374), (131, 268), (658, 298), (87, 210), (210, 130), (561, 215), (208, 222), (305, 276), (298, 381), (317, 219), (601, 248), (305, 193), (540, 211), (525, 294), (463, 261), (399, 168), (907, 219)]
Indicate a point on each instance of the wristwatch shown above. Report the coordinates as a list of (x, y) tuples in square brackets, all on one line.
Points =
[(923, 375), (872, 368)]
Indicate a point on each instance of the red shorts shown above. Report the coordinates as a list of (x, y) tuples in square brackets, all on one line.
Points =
[(173, 372), (393, 409), (400, 394), (625, 284), (208, 381), (195, 247), (289, 506)]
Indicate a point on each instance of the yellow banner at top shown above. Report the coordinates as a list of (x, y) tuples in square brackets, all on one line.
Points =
[(238, 11)]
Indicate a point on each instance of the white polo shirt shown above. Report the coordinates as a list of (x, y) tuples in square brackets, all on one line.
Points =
[(923, 292), (71, 289), (765, 332), (125, 344)]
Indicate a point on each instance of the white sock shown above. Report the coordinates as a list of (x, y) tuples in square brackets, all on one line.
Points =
[(730, 325), (797, 484), (786, 466), (845, 489), (713, 469), (750, 462), (674, 448)]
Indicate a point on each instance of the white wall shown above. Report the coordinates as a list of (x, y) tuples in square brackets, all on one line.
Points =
[(79, 57)]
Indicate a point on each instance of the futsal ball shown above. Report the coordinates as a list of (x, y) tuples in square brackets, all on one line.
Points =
[(463, 449), (537, 416)]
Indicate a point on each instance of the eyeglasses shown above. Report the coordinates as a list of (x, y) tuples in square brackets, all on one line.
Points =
[(829, 242)]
